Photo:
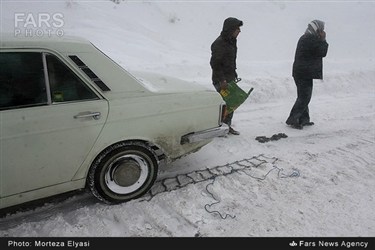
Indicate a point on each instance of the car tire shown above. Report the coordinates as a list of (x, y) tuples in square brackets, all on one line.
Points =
[(123, 172)]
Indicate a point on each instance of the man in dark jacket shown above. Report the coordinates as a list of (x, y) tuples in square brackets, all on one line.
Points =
[(308, 65), (223, 60)]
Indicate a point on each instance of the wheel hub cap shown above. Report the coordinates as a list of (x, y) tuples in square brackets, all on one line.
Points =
[(126, 174)]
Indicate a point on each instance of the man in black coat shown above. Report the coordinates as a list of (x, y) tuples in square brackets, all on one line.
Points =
[(308, 65), (223, 60)]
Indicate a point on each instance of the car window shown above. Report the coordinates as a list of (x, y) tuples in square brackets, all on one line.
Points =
[(65, 85), (22, 80)]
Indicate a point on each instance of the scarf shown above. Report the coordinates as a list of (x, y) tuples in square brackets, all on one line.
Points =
[(314, 27)]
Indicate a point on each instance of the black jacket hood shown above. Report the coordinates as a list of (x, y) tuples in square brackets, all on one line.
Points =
[(229, 26)]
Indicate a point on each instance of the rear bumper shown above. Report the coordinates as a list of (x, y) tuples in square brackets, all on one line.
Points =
[(205, 134)]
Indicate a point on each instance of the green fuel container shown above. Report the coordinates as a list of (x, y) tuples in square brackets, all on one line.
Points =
[(234, 96)]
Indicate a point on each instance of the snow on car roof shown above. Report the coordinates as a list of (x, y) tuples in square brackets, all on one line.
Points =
[(63, 43)]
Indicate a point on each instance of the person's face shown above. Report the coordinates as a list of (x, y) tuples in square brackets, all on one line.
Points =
[(236, 32)]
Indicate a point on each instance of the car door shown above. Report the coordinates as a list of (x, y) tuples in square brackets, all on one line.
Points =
[(50, 118)]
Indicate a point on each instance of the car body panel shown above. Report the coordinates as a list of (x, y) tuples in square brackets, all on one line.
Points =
[(130, 120), (41, 138)]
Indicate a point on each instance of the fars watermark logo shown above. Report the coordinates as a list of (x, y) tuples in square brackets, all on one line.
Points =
[(38, 24)]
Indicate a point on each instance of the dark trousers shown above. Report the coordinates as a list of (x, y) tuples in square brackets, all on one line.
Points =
[(300, 111), (228, 117)]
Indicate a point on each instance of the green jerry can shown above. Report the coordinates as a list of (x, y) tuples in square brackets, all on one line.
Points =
[(234, 96)]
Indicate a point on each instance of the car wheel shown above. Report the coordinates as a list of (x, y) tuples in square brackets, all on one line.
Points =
[(123, 172)]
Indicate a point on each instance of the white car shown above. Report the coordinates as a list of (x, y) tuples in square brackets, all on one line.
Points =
[(71, 118)]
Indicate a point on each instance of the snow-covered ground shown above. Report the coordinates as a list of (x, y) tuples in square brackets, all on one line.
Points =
[(318, 181)]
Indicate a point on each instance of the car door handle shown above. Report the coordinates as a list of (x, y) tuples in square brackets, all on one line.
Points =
[(95, 115)]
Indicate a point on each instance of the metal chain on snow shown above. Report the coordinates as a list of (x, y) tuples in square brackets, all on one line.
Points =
[(173, 183), (217, 201)]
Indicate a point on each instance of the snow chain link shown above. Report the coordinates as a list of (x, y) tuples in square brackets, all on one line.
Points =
[(182, 180)]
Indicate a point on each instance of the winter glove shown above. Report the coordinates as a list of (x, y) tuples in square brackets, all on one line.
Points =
[(322, 35)]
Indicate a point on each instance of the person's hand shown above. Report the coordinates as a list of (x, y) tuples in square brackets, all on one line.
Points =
[(223, 85), (322, 35)]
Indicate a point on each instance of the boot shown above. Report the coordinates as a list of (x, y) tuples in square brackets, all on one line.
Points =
[(233, 132)]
